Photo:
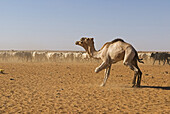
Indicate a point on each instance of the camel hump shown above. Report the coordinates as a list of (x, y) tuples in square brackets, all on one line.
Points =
[(117, 39), (108, 43)]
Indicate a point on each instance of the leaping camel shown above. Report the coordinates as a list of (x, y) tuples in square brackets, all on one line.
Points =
[(112, 52)]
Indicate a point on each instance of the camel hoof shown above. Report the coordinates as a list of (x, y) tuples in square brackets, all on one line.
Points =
[(2, 71), (133, 86), (96, 70), (136, 86)]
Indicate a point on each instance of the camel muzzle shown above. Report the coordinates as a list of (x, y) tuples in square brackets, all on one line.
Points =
[(78, 43)]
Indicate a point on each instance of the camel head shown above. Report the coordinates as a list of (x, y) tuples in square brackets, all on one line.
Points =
[(86, 43)]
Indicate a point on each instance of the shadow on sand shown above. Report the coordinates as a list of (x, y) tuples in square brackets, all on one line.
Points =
[(156, 87), (3, 73)]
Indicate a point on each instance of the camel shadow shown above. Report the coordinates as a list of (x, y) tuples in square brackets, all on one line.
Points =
[(157, 87), (4, 73)]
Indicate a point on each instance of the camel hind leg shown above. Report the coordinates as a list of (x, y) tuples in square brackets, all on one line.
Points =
[(137, 74), (130, 60), (139, 78)]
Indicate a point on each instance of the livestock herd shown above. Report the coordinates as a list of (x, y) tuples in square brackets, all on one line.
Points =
[(156, 56), (41, 56), (55, 56)]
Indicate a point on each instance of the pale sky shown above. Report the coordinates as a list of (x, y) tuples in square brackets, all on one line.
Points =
[(57, 24)]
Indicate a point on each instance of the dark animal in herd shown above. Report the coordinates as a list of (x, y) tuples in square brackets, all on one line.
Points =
[(162, 56)]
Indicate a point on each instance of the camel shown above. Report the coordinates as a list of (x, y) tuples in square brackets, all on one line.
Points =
[(111, 53)]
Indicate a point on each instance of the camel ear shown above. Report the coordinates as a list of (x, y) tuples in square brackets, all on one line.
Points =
[(92, 39), (87, 39), (82, 39)]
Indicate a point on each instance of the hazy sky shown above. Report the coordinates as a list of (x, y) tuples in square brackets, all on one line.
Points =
[(57, 24)]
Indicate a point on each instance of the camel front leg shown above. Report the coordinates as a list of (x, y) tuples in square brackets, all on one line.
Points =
[(107, 73), (101, 67)]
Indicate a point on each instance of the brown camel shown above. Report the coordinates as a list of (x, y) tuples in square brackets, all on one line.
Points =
[(112, 52)]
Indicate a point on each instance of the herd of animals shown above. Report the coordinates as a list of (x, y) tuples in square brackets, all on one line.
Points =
[(163, 57), (111, 53), (160, 58), (40, 56)]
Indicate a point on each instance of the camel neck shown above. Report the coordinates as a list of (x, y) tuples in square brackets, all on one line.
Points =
[(93, 53)]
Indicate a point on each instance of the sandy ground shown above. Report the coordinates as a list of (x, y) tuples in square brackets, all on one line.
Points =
[(74, 88)]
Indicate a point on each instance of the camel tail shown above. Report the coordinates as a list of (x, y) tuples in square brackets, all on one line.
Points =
[(139, 60)]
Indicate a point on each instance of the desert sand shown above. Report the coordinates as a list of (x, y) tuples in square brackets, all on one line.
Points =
[(70, 87)]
